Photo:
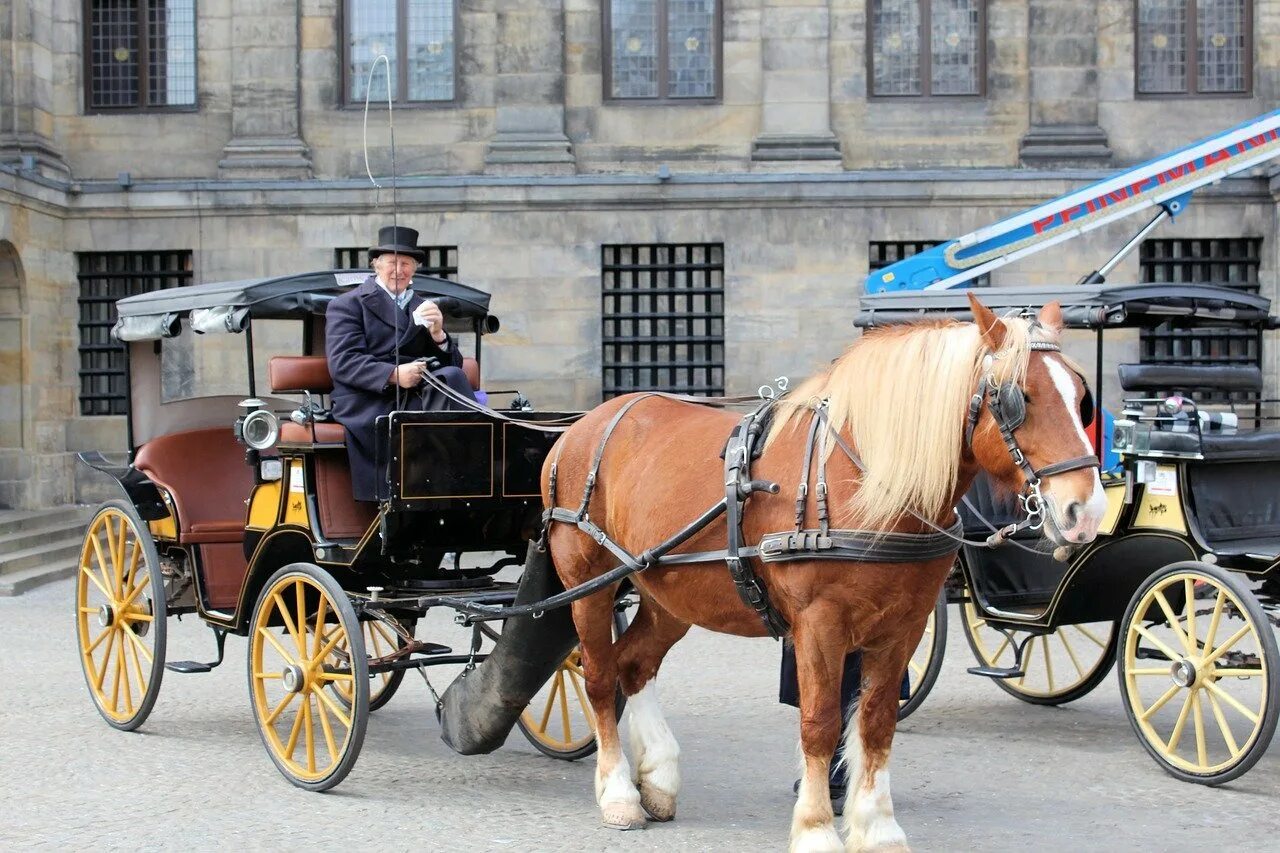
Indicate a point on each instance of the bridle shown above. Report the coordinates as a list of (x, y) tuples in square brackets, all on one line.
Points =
[(1008, 405)]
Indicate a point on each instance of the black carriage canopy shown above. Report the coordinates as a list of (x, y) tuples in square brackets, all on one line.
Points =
[(227, 306), (1084, 306)]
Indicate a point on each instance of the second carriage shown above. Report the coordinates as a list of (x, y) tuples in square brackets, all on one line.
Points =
[(1181, 589)]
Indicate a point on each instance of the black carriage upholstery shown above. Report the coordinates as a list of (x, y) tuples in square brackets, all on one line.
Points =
[(1252, 445), (1189, 378), (1008, 577), (1236, 506)]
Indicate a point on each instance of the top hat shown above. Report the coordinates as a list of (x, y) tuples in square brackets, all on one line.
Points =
[(397, 239)]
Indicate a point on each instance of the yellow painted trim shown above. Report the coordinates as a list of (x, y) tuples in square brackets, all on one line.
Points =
[(1161, 512), (1114, 492), (295, 507), (264, 506), (165, 528)]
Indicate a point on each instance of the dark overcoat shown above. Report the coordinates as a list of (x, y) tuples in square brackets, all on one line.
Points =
[(360, 341)]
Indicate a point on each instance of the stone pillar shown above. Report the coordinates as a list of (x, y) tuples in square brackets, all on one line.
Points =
[(266, 135), (1062, 48), (26, 97), (795, 108), (529, 90)]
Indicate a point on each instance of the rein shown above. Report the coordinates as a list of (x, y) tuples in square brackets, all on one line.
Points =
[(1008, 407)]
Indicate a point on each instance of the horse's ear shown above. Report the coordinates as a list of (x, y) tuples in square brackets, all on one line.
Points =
[(1051, 317), (993, 331)]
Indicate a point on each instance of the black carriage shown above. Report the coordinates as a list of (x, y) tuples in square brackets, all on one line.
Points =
[(1182, 587), (238, 508)]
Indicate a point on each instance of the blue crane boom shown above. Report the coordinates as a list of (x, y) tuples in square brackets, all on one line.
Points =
[(1167, 181)]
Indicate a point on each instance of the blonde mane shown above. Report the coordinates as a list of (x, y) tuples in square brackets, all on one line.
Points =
[(901, 394)]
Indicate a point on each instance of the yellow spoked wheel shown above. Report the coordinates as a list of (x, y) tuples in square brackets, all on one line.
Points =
[(1198, 673), (380, 640), (926, 661), (559, 721), (300, 622), (1059, 667), (120, 616)]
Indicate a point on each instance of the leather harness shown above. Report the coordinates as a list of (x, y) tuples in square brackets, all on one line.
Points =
[(1008, 407)]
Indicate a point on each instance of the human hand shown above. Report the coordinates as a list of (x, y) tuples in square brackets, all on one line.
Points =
[(410, 375), (429, 314)]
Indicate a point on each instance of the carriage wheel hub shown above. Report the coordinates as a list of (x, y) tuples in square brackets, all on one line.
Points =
[(1183, 673), (294, 679), (106, 616)]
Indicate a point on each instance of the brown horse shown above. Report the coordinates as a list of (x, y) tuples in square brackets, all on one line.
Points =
[(900, 397)]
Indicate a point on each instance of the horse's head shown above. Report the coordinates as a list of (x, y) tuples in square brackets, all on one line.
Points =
[(1028, 424)]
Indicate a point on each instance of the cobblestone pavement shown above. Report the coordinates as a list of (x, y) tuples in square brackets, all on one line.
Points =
[(973, 769)]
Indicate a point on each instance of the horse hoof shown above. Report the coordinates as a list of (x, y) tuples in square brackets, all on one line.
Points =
[(660, 805), (622, 816), (817, 839)]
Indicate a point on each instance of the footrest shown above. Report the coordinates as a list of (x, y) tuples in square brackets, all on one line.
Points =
[(424, 648), (996, 671), (189, 666)]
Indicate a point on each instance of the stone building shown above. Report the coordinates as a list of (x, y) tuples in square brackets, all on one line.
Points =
[(745, 161)]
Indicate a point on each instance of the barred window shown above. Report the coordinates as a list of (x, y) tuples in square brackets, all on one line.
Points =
[(663, 316), (442, 261), (140, 54), (104, 278), (926, 47), (882, 253), (662, 50), (1233, 262), (419, 41), (1194, 47)]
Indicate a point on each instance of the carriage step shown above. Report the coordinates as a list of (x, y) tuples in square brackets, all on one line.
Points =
[(189, 666), (186, 667), (997, 672)]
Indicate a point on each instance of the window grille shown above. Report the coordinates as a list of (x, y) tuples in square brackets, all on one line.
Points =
[(1233, 262), (926, 47), (141, 54), (420, 43), (663, 318), (104, 278), (882, 253), (662, 50), (442, 261), (1194, 47)]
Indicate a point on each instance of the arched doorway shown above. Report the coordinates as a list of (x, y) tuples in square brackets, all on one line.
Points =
[(12, 334)]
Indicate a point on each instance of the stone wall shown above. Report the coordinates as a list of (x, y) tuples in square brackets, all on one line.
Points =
[(533, 169), (1072, 75)]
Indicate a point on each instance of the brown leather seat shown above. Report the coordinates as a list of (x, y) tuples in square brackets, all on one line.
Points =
[(205, 474), (293, 374), (314, 433)]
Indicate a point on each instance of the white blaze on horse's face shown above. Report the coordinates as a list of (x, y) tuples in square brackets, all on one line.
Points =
[(1075, 500)]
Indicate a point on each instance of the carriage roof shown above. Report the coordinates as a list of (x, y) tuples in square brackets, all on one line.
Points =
[(1092, 306), (153, 315)]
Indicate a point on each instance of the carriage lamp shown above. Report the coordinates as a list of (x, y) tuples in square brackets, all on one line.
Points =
[(1131, 437), (260, 428), (1123, 436)]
